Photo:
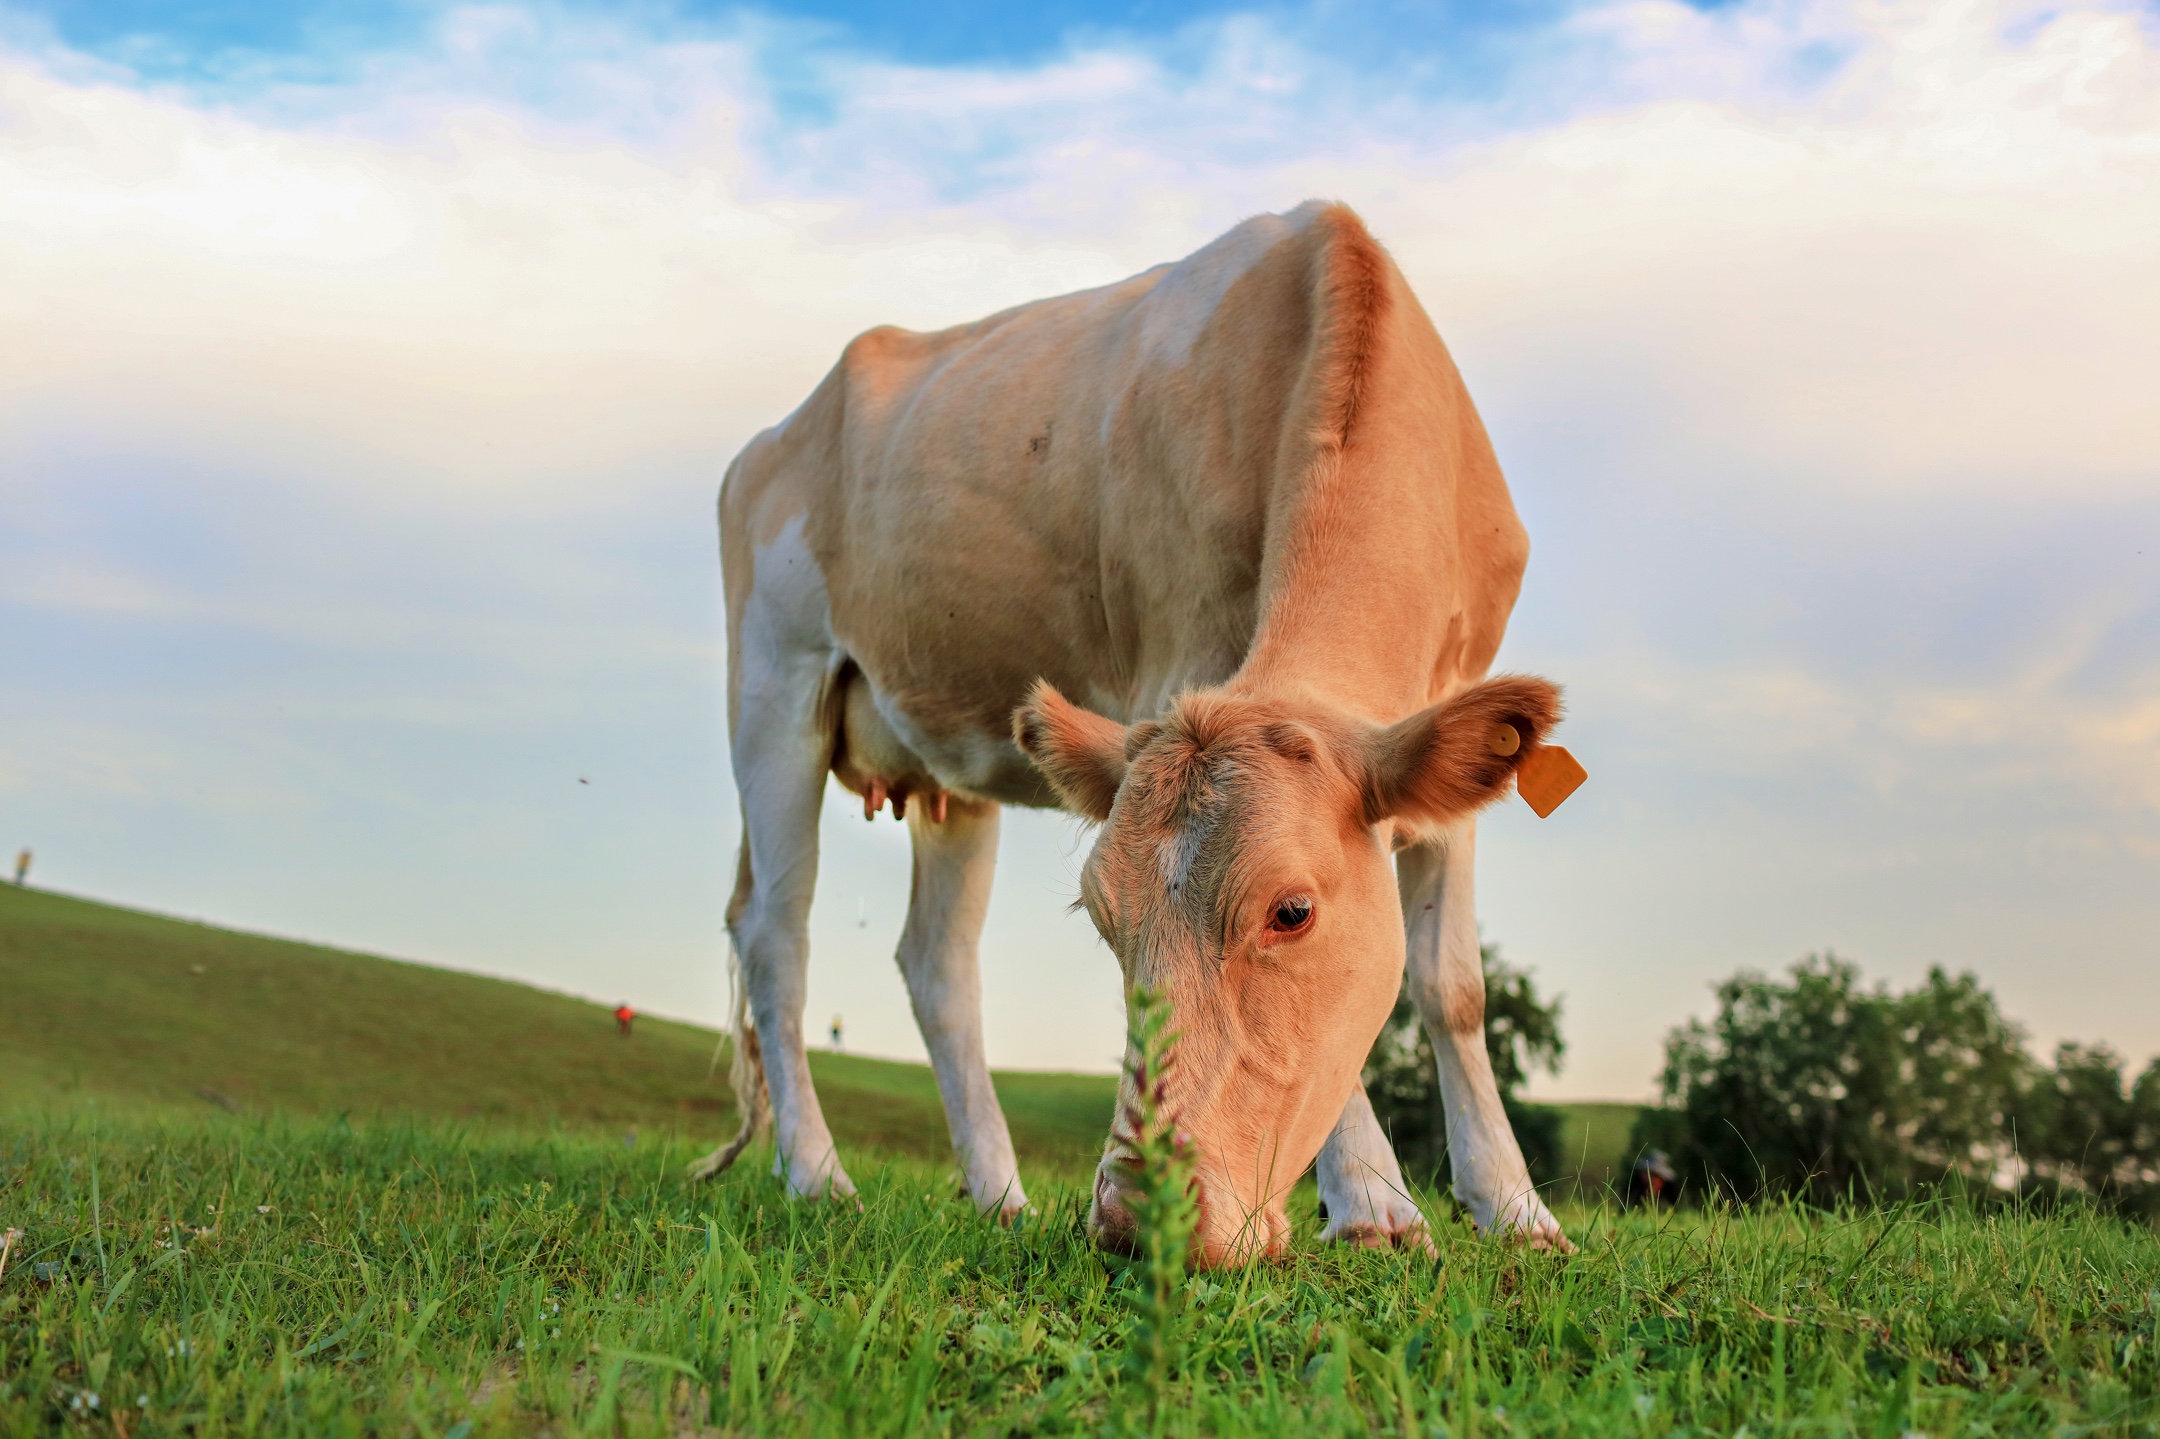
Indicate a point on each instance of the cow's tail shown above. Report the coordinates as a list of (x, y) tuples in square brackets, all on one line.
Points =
[(746, 1067)]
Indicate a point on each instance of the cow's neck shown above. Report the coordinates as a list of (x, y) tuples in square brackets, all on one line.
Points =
[(1358, 606)]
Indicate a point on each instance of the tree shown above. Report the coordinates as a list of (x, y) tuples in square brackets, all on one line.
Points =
[(2083, 1129), (1820, 1086), (1823, 1087), (1402, 1077)]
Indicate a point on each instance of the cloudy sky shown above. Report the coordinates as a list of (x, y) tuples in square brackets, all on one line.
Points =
[(367, 373)]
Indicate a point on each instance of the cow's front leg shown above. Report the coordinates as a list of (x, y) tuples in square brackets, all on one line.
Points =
[(955, 843), (1361, 1183), (1447, 982)]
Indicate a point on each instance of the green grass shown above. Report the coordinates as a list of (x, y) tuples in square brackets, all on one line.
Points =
[(449, 1206), (225, 1275)]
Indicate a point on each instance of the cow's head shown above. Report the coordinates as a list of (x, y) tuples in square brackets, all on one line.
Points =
[(1243, 870)]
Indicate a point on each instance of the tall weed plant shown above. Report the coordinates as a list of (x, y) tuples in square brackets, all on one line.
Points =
[(1160, 1199)]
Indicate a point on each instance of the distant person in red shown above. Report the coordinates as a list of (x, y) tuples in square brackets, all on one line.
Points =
[(623, 1015)]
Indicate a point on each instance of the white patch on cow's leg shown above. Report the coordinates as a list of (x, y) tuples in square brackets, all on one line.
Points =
[(1447, 980), (1361, 1183), (954, 863), (781, 754)]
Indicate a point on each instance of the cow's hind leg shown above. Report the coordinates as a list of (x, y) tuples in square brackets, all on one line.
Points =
[(782, 747), (1447, 981), (955, 858)]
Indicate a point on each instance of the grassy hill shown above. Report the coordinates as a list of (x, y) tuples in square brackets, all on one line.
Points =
[(1594, 1141), (138, 1009)]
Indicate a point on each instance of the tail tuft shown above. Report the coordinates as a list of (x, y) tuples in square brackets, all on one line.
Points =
[(746, 1076)]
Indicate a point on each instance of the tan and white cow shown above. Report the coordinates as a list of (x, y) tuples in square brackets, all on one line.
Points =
[(1216, 557)]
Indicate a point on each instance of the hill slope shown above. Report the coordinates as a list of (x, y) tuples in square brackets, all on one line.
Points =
[(139, 1009)]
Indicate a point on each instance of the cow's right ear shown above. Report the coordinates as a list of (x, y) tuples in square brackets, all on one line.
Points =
[(1449, 761), (1079, 752)]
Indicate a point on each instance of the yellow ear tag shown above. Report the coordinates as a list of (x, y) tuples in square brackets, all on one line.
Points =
[(1504, 740), (1549, 776)]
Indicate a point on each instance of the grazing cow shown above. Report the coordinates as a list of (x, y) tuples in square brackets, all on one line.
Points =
[(1216, 557)]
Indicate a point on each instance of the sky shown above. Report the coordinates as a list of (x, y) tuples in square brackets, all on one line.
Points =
[(367, 374)]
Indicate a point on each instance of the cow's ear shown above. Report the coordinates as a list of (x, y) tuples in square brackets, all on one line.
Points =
[(1457, 757), (1079, 752)]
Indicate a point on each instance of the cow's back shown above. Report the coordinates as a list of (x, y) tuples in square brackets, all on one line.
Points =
[(1084, 489)]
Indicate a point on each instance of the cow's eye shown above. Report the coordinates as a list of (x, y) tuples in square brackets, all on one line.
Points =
[(1292, 914)]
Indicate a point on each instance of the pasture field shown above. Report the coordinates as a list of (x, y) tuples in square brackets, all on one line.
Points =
[(225, 1275), (268, 1188)]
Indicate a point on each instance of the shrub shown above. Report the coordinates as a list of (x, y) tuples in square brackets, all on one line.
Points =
[(1522, 1033)]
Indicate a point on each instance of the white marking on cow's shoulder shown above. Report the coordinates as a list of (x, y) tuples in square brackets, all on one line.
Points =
[(1182, 302), (784, 652), (787, 611)]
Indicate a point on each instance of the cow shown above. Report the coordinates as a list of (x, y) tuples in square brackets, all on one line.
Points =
[(1216, 558)]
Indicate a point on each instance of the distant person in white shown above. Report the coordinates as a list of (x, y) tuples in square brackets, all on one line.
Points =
[(22, 869)]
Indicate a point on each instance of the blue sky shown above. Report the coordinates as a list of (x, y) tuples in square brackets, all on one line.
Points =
[(366, 376), (184, 38), (932, 34)]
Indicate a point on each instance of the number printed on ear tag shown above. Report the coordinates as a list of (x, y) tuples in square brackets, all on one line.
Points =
[(1549, 776)]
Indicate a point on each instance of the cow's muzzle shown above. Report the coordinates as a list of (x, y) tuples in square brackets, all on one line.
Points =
[(1228, 1231)]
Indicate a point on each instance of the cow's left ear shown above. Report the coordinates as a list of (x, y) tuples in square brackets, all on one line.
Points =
[(1080, 752), (1457, 757)]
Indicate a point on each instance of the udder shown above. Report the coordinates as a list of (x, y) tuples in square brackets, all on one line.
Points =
[(872, 761)]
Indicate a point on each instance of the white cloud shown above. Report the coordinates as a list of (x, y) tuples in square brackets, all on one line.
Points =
[(1933, 264)]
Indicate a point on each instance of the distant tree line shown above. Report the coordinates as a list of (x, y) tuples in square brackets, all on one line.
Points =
[(1522, 1033), (1822, 1087)]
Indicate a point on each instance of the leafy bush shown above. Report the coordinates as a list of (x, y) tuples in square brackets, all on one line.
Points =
[(1821, 1086), (1522, 1033)]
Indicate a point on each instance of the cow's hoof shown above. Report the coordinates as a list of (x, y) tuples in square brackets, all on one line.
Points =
[(1539, 1231), (1386, 1221), (818, 1185), (1005, 1204), (1414, 1237)]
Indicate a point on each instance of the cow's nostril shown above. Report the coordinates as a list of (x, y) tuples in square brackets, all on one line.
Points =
[(1110, 1223), (1117, 1240)]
